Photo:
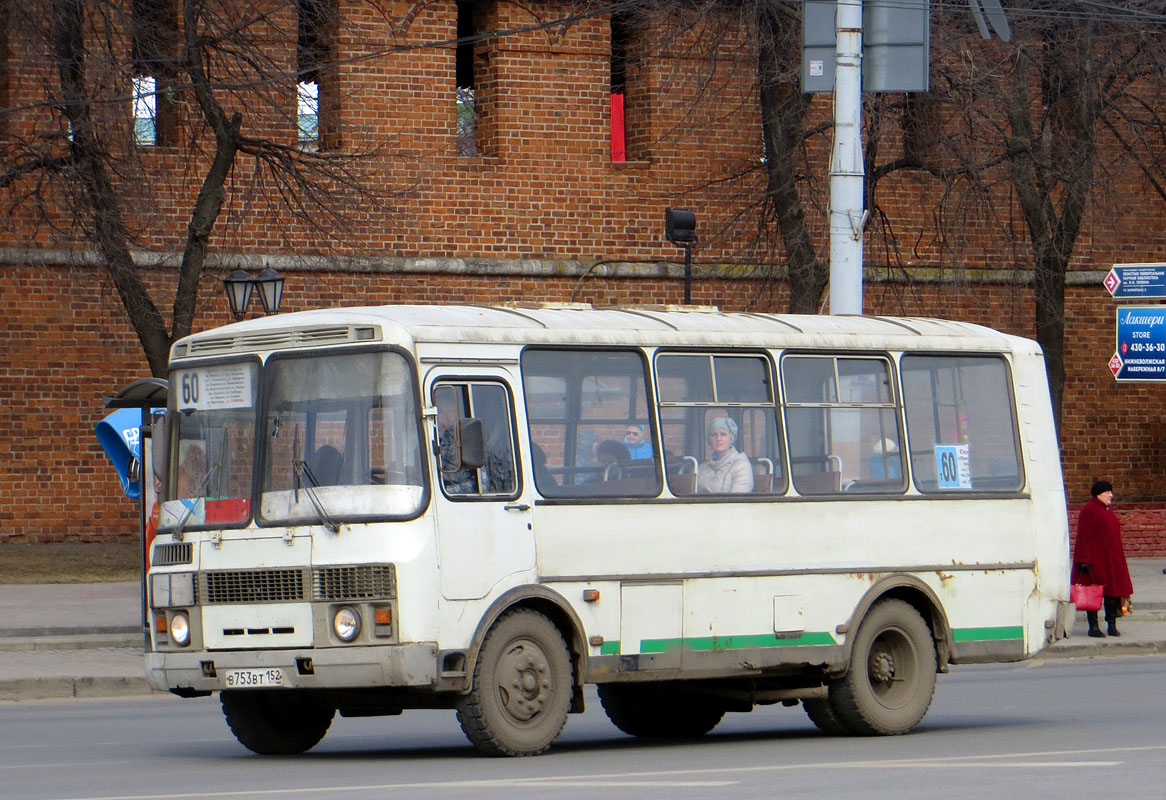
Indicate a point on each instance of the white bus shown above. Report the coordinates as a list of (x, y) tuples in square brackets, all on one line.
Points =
[(485, 508)]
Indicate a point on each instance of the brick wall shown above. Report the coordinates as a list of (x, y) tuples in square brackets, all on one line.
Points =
[(1143, 528), (537, 216), (66, 343)]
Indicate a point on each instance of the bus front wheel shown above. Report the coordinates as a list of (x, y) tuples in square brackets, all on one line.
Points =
[(891, 680), (274, 723), (521, 687)]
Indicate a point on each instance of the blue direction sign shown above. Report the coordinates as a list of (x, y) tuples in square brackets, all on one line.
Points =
[(1141, 344), (1143, 281)]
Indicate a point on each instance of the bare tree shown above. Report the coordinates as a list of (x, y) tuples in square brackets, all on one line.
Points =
[(1062, 113), (211, 74)]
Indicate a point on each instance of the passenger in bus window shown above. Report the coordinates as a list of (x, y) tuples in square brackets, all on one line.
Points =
[(192, 471), (884, 460), (609, 452), (490, 406), (638, 446), (727, 470), (461, 481)]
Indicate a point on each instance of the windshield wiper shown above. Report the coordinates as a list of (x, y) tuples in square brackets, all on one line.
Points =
[(302, 468)]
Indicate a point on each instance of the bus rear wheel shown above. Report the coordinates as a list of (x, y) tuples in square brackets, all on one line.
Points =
[(823, 715), (891, 680), (275, 723), (521, 688), (651, 712)]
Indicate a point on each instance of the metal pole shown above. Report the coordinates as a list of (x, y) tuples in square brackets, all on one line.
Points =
[(687, 274), (846, 167)]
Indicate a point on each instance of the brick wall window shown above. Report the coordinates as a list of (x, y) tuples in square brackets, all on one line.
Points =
[(317, 106), (308, 115), (465, 97), (619, 86), (155, 72)]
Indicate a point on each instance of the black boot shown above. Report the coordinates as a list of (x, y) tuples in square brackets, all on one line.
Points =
[(1094, 628), (1112, 612)]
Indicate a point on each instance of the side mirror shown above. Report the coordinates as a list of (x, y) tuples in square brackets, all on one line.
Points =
[(471, 442), (160, 446)]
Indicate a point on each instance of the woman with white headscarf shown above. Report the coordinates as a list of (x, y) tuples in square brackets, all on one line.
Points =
[(727, 470)]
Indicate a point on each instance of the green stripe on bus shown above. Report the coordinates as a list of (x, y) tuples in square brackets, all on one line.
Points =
[(609, 648), (988, 634), (715, 643)]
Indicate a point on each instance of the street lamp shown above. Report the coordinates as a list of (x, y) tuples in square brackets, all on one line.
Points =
[(680, 228), (239, 285), (270, 285)]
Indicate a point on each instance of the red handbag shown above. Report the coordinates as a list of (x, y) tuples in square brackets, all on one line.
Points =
[(1086, 598)]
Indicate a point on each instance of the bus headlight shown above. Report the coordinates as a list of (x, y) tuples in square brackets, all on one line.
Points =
[(346, 623), (180, 629)]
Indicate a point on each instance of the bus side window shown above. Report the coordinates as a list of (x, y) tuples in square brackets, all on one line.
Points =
[(489, 403), (699, 391), (843, 425), (581, 406), (961, 424)]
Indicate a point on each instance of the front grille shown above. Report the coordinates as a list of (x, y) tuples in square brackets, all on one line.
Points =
[(331, 584), (167, 555), (366, 582), (254, 586)]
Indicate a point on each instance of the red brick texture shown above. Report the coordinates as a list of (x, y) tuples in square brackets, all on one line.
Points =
[(1143, 528), (541, 214)]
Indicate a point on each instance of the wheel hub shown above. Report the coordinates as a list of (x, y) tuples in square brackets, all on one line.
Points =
[(882, 667), (524, 682)]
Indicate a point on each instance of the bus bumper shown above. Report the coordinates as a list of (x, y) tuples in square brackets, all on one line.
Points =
[(413, 665)]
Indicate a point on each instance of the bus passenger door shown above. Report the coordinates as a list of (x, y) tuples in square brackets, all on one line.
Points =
[(483, 524)]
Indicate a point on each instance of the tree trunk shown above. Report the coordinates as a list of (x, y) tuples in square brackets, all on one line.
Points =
[(783, 112), (109, 232)]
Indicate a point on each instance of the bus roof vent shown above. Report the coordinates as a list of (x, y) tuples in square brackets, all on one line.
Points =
[(320, 336)]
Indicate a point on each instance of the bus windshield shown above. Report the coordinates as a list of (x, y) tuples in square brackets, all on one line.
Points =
[(213, 447), (342, 439)]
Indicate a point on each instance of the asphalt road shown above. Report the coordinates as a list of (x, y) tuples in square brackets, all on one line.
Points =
[(1030, 730)]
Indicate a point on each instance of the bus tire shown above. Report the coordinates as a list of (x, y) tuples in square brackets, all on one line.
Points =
[(821, 712), (650, 712), (521, 688), (891, 679), (275, 723)]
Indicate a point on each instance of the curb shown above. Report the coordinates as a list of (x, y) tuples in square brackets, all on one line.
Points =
[(58, 688), (1063, 649), (71, 642)]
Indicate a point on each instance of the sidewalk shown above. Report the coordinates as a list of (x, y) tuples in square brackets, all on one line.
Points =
[(85, 640)]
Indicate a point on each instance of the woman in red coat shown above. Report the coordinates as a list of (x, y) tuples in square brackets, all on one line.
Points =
[(1098, 557)]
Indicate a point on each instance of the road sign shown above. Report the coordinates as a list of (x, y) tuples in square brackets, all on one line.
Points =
[(895, 45), (1142, 281), (1141, 344)]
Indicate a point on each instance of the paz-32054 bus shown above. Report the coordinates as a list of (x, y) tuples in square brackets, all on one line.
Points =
[(367, 510)]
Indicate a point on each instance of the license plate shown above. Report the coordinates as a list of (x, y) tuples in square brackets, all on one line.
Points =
[(252, 678)]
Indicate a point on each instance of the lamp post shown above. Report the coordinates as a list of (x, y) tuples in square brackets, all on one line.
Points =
[(239, 285), (680, 228)]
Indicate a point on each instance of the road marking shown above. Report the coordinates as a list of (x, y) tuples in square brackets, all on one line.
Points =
[(676, 778)]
